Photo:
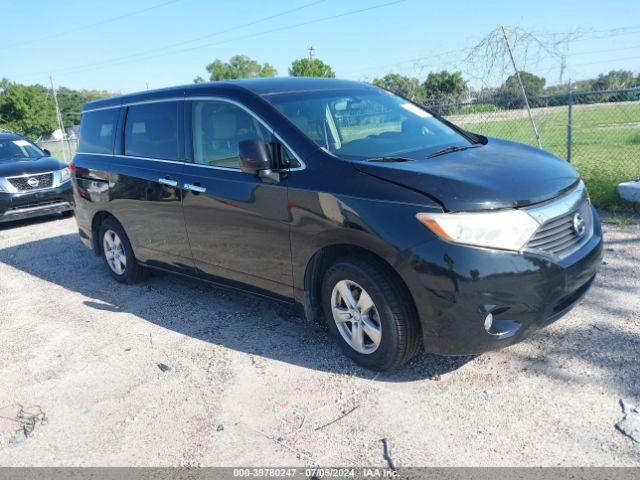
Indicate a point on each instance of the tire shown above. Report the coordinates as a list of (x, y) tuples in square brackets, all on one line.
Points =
[(393, 313), (124, 267)]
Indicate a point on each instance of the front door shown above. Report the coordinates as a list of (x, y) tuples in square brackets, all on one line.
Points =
[(238, 226)]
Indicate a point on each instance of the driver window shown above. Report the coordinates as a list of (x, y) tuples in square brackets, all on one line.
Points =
[(218, 129)]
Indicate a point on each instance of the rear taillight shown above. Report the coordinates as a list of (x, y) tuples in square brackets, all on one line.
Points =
[(77, 171)]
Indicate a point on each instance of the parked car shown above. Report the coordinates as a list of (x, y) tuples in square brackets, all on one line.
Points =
[(32, 182), (395, 226)]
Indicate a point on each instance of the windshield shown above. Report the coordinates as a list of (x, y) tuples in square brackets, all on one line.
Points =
[(18, 149), (365, 123)]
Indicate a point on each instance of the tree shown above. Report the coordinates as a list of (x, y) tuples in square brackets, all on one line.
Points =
[(533, 85), (27, 110), (310, 67), (238, 66), (614, 80), (509, 93), (4, 84), (71, 101), (445, 87), (408, 87)]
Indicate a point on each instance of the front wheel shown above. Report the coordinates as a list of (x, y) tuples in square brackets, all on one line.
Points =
[(118, 254), (369, 314)]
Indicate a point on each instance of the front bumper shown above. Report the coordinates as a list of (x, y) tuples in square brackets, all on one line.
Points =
[(455, 287), (18, 206)]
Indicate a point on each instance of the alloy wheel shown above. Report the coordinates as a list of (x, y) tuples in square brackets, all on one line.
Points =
[(114, 253), (356, 317)]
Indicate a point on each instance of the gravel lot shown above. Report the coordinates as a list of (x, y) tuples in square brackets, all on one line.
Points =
[(251, 383)]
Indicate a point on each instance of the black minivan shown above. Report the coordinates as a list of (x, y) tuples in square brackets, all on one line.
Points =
[(394, 225)]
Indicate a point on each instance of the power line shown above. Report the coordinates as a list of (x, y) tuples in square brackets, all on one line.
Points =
[(86, 27), (603, 34), (401, 62), (141, 55), (605, 61), (584, 32), (112, 63), (603, 51)]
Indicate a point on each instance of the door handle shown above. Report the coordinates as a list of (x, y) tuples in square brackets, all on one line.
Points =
[(194, 188), (167, 181)]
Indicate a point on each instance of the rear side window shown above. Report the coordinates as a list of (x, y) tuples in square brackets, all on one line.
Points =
[(151, 131), (97, 131)]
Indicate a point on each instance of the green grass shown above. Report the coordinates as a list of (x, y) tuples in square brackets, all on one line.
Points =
[(605, 147), (475, 108)]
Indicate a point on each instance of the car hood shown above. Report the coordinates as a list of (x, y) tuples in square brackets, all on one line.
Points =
[(500, 174), (25, 167)]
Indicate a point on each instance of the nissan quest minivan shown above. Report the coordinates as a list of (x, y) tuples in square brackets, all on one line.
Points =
[(393, 225)]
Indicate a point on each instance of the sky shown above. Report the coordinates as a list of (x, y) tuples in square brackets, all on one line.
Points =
[(126, 46)]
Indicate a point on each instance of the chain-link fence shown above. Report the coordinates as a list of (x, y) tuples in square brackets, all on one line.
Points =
[(599, 132), (62, 149)]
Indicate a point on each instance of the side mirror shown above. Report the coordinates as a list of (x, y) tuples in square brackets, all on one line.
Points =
[(46, 152), (254, 159)]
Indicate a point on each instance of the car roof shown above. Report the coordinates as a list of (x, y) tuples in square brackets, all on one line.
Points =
[(9, 135), (257, 86)]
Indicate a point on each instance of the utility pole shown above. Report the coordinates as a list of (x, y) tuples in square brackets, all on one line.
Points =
[(60, 123), (569, 122), (312, 52), (524, 93)]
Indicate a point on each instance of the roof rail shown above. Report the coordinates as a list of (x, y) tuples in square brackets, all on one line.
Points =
[(4, 130)]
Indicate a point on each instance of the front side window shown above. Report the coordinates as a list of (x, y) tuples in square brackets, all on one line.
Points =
[(151, 131), (365, 123), (218, 129), (97, 131), (18, 149)]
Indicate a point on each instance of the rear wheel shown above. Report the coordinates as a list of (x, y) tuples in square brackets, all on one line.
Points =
[(369, 314), (118, 254)]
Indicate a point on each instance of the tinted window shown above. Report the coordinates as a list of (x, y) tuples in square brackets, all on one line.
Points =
[(97, 131), (218, 129), (152, 131)]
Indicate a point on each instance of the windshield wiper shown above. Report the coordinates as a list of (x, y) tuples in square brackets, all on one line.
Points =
[(390, 159), (451, 149)]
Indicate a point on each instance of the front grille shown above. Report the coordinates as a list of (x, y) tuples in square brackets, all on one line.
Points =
[(32, 182), (558, 235)]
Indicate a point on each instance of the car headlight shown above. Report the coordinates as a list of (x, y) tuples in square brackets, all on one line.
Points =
[(503, 229), (65, 174), (2, 187)]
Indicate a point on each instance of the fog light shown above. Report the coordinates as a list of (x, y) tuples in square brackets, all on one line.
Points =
[(488, 321)]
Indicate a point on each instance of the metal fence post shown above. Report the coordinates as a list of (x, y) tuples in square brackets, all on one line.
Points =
[(569, 122), (524, 93)]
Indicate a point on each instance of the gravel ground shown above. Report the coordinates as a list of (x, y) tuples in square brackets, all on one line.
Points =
[(248, 382)]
